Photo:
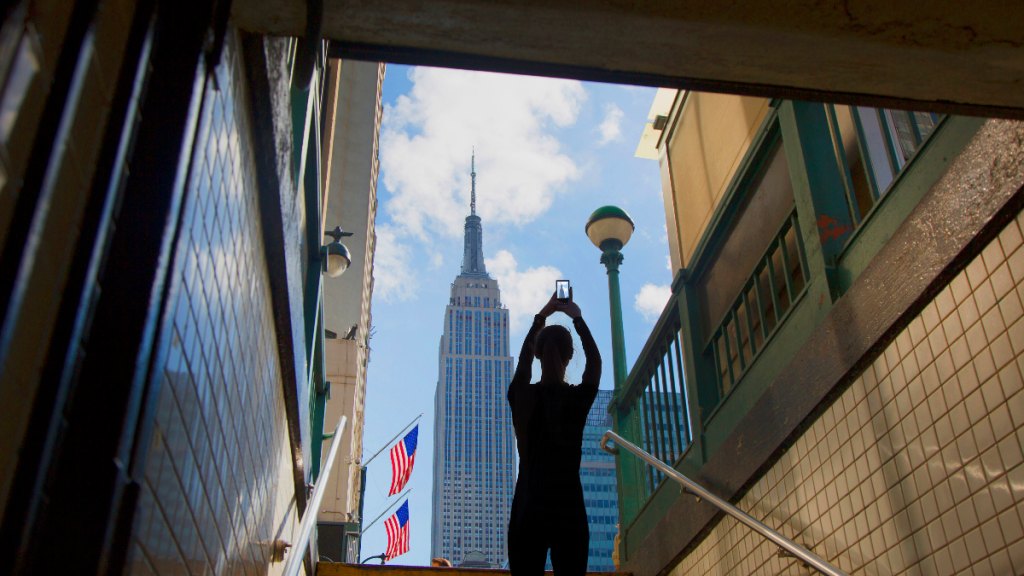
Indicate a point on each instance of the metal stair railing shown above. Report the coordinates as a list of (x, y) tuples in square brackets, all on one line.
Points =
[(301, 548), (695, 489)]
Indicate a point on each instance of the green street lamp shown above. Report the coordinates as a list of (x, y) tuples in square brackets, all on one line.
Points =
[(610, 228)]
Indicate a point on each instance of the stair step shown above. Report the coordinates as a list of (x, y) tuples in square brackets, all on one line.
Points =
[(342, 569)]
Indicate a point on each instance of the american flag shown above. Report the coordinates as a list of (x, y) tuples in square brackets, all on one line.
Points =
[(402, 457), (397, 527)]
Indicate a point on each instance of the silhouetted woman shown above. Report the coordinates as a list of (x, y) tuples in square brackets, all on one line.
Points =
[(549, 416)]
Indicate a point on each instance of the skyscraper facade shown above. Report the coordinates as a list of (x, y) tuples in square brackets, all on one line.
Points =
[(597, 474), (474, 444)]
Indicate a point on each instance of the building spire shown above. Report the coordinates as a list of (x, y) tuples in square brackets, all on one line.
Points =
[(473, 246), (472, 176)]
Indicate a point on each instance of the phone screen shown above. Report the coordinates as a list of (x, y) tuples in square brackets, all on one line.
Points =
[(562, 289)]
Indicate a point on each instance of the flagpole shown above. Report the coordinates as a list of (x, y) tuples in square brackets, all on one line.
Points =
[(386, 510), (388, 443)]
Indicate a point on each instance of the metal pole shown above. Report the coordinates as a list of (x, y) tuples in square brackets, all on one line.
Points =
[(628, 473), (362, 502), (386, 510), (702, 493), (393, 438), (291, 567), (611, 257), (362, 485)]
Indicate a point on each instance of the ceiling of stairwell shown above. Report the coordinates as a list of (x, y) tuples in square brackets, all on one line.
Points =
[(937, 55)]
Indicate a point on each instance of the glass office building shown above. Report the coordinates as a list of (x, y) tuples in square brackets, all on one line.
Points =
[(597, 473), (474, 444)]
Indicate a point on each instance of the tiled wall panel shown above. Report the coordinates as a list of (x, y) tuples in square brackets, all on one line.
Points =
[(214, 485), (918, 468)]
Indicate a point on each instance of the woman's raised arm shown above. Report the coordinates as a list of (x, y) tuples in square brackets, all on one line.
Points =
[(524, 369), (592, 369)]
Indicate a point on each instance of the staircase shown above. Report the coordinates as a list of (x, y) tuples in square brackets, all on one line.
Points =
[(340, 569)]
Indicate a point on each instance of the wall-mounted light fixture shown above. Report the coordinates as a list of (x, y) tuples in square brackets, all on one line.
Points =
[(336, 257)]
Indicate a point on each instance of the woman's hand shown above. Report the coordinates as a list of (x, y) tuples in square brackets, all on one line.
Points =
[(569, 308), (551, 307)]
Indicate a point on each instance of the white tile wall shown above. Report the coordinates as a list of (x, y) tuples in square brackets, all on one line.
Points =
[(918, 467)]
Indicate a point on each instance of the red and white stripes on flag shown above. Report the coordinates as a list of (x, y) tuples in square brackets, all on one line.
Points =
[(402, 457), (397, 527)]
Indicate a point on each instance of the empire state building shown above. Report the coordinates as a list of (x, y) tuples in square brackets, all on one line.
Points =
[(474, 444)]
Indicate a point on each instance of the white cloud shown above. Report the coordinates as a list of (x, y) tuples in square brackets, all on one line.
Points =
[(651, 300), (392, 273), (428, 134), (523, 292), (611, 126)]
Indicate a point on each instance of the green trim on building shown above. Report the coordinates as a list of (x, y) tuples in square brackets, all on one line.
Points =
[(835, 252)]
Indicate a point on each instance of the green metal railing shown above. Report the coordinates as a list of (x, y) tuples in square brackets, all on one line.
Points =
[(661, 401), (778, 280), (652, 409)]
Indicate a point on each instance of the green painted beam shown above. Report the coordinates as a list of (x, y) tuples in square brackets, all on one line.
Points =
[(818, 186)]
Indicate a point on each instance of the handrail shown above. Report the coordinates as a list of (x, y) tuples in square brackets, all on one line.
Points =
[(668, 323), (291, 567), (702, 493)]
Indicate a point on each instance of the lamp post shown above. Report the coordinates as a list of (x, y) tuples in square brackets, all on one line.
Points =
[(610, 228)]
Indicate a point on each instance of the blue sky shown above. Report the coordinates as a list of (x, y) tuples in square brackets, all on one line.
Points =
[(548, 152)]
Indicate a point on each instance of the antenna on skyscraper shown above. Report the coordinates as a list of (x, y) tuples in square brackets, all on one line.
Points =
[(472, 176)]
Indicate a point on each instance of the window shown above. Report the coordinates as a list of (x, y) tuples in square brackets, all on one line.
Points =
[(872, 146)]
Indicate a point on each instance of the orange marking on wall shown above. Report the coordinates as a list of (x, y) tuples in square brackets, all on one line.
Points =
[(830, 229)]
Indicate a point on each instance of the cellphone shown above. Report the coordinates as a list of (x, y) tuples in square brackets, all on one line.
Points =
[(562, 290)]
